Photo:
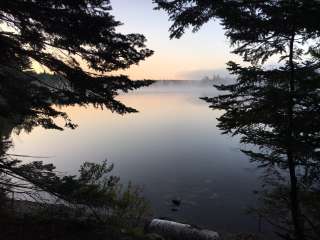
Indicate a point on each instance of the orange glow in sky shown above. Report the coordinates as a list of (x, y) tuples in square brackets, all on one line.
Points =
[(192, 57)]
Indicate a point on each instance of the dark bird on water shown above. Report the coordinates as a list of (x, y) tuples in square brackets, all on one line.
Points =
[(176, 202)]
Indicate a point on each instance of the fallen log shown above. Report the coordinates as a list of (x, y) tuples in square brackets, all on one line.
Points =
[(180, 231)]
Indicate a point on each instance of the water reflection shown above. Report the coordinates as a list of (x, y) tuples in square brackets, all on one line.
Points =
[(277, 117), (175, 151), (171, 147)]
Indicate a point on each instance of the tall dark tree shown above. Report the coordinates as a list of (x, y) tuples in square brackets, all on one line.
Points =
[(276, 108), (76, 41)]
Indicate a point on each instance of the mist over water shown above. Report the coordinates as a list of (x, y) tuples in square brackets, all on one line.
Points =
[(172, 148)]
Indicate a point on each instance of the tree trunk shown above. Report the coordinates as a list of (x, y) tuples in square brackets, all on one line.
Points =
[(294, 188)]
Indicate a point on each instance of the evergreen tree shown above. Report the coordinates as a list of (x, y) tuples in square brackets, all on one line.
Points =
[(76, 41), (277, 108)]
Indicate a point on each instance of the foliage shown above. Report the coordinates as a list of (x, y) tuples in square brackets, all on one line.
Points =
[(275, 109), (107, 199), (76, 41), (93, 196)]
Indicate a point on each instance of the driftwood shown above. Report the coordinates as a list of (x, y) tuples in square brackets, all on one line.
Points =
[(177, 231)]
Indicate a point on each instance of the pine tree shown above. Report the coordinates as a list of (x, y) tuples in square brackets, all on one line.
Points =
[(276, 109), (76, 41)]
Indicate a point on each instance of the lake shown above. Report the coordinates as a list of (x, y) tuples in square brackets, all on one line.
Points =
[(172, 148)]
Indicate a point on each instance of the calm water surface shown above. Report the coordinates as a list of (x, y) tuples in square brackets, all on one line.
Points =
[(172, 148)]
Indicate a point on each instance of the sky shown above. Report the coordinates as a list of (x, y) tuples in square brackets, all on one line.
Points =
[(192, 57)]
